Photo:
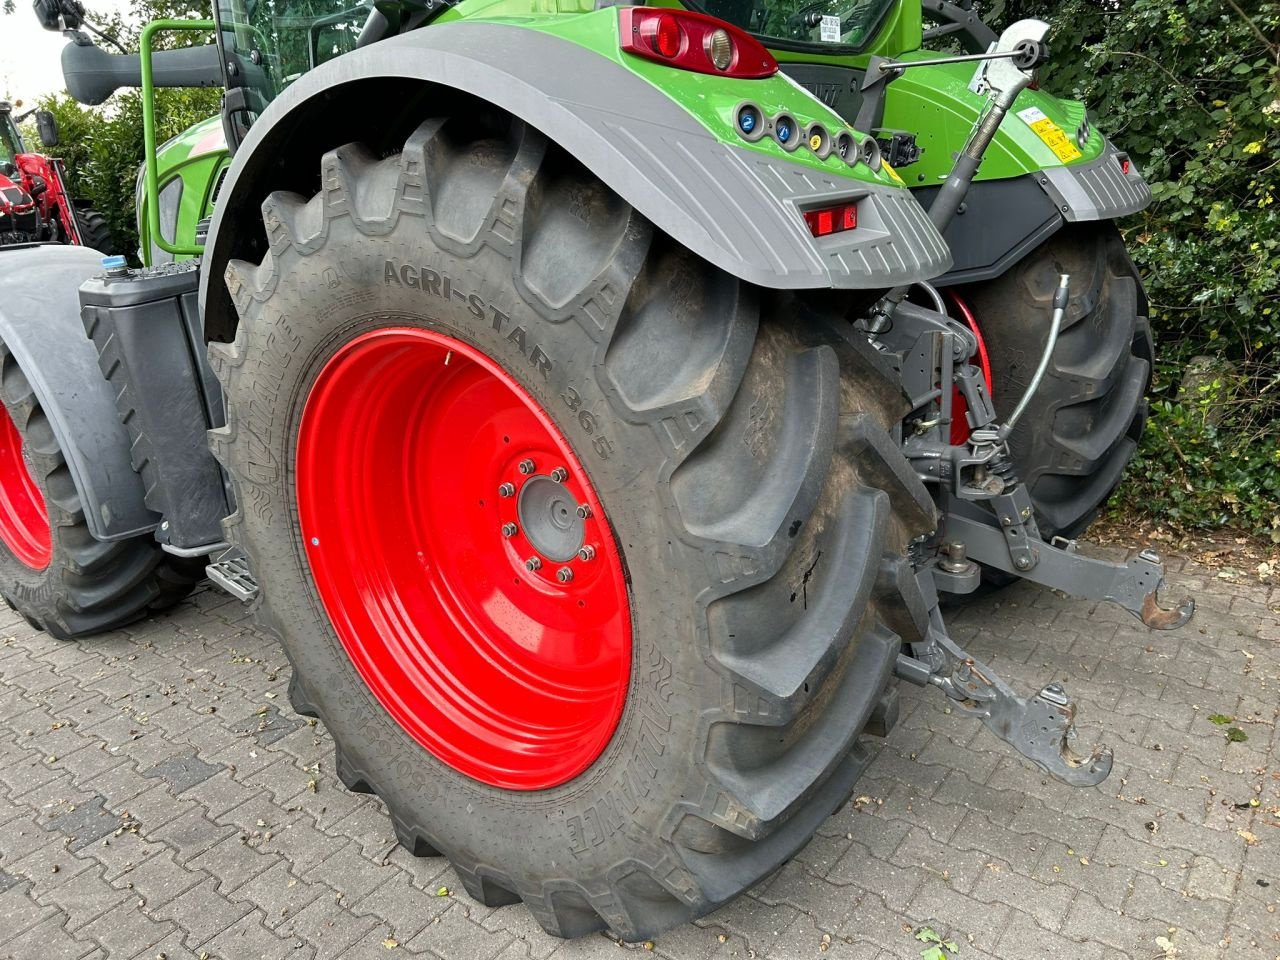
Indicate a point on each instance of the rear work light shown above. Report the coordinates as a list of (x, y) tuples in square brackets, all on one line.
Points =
[(835, 219), (693, 41)]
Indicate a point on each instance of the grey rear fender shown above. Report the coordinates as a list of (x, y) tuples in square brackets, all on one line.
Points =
[(40, 324), (735, 207)]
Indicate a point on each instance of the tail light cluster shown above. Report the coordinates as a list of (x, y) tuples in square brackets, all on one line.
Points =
[(693, 41), (753, 124)]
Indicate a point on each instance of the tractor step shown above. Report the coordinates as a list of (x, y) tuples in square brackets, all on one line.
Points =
[(231, 572)]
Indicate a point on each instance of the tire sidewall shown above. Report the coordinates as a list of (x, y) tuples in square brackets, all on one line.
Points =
[(314, 304)]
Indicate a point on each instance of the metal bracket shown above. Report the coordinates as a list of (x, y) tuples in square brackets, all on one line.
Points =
[(1039, 728), (1133, 584)]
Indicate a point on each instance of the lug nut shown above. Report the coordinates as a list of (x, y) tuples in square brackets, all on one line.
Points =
[(509, 529), (584, 511), (587, 552), (533, 564), (526, 466), (506, 490), (1022, 563), (564, 574), (559, 474)]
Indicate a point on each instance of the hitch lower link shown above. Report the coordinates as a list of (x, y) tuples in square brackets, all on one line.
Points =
[(990, 517), (1040, 728)]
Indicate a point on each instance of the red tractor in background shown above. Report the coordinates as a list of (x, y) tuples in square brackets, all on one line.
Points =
[(35, 206)]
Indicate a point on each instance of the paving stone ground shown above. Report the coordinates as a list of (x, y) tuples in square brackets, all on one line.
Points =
[(158, 797)]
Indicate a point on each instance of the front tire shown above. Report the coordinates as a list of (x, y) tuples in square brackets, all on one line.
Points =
[(52, 570), (734, 442)]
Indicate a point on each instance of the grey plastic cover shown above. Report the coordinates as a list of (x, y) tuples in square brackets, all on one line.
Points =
[(40, 324), (1099, 190), (731, 205)]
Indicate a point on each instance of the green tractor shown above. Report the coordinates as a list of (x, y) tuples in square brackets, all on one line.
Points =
[(1044, 201), (586, 417)]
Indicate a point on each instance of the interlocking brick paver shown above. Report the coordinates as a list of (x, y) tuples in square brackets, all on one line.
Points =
[(202, 912), (47, 940), (202, 823)]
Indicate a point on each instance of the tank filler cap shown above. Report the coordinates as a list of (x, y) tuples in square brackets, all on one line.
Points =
[(115, 266)]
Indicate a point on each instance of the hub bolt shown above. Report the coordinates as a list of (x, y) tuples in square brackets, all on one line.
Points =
[(584, 511), (533, 564), (564, 574), (1022, 563), (506, 490), (526, 466), (509, 529), (559, 474), (588, 552)]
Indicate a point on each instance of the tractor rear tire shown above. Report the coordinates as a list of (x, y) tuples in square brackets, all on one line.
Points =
[(94, 231), (52, 570), (1082, 428), (747, 509)]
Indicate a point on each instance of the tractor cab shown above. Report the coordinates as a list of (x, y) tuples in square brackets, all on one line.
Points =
[(268, 45)]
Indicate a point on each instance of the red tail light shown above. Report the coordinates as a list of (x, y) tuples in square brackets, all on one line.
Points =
[(828, 220), (693, 41)]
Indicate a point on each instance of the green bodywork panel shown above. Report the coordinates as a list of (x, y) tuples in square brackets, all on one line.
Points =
[(713, 100), (935, 104), (195, 158)]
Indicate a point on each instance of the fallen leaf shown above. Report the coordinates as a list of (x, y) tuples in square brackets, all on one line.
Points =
[(442, 891), (1250, 838), (1221, 719), (1236, 735), (390, 944)]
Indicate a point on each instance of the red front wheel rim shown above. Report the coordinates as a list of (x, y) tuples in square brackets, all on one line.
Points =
[(24, 520), (463, 558)]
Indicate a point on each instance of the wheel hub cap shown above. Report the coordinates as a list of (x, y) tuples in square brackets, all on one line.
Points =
[(548, 515), (24, 520), (463, 558)]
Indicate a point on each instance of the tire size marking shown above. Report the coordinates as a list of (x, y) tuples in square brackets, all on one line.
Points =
[(616, 809), (441, 285), (602, 445)]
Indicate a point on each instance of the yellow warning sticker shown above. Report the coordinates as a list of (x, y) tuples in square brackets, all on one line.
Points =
[(1050, 133), (884, 165)]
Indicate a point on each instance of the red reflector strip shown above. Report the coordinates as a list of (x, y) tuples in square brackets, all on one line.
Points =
[(828, 220), (1124, 165)]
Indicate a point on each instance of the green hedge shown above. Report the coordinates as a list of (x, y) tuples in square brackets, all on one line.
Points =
[(1192, 90), (102, 148)]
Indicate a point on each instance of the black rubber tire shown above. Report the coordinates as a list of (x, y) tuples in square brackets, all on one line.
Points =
[(94, 231), (89, 586), (1082, 428), (739, 444)]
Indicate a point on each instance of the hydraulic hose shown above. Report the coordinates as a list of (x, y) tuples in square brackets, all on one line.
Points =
[(1061, 297)]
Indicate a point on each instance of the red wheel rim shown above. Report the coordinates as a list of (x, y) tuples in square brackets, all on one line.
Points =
[(24, 521), (511, 675)]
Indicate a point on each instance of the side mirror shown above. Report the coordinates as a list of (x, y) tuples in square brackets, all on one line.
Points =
[(58, 15), (47, 126)]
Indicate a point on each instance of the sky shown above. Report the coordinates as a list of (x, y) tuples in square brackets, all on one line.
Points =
[(30, 56)]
